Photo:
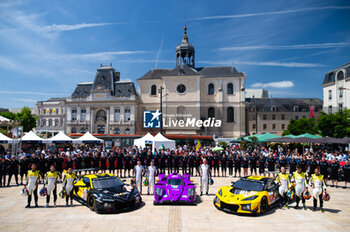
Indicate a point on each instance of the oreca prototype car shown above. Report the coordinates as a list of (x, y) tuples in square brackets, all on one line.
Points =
[(105, 193), (249, 195), (174, 189)]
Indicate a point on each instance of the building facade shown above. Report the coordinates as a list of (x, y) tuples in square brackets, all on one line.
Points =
[(272, 115), (194, 92), (336, 89), (105, 106)]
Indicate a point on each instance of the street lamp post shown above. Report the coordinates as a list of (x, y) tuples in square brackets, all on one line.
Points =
[(161, 108)]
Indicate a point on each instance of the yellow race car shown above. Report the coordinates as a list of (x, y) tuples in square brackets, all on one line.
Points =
[(105, 193), (249, 195)]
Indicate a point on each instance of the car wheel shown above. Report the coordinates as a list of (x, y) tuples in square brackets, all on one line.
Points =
[(264, 205), (91, 202)]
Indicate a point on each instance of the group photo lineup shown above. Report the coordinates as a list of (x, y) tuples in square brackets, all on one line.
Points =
[(174, 115)]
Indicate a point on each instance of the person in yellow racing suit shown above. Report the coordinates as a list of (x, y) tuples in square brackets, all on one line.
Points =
[(318, 187), (283, 180), (51, 182), (31, 183), (67, 185), (300, 186)]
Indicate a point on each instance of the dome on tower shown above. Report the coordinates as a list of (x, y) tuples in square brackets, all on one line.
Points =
[(185, 51)]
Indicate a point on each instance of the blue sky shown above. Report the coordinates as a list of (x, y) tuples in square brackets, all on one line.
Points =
[(285, 46)]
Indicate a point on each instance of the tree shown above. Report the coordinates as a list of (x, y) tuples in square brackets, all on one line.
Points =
[(302, 126), (28, 121), (334, 125)]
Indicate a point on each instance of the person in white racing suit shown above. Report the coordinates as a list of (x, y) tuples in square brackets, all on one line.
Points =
[(51, 179), (300, 186), (318, 188), (283, 180), (31, 184), (67, 185), (138, 173), (204, 171), (152, 171)]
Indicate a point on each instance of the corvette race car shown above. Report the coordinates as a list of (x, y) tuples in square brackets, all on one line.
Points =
[(249, 195), (174, 189), (105, 193)]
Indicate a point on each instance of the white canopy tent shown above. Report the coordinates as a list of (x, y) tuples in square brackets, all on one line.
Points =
[(141, 142), (31, 137), (5, 139), (60, 138), (161, 140), (88, 138)]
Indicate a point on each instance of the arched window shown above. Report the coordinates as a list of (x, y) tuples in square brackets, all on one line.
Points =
[(340, 75), (74, 130), (211, 89), (82, 130), (211, 112), (229, 88), (116, 130), (101, 114), (153, 90), (230, 114), (127, 131)]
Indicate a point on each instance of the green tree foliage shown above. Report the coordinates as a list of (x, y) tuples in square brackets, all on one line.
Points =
[(28, 121), (301, 126), (334, 125)]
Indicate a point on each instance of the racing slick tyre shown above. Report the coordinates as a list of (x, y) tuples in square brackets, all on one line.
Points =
[(264, 206), (91, 203)]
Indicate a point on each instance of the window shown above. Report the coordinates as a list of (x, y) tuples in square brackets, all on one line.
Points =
[(340, 106), (211, 89), (296, 117), (126, 115), (274, 117), (304, 116), (229, 88), (82, 130), (181, 88), (254, 126), (283, 117), (50, 122), (153, 90), (273, 108), (211, 112), (330, 109), (74, 115), (83, 115), (101, 115), (43, 122), (264, 117), (273, 126), (56, 122), (330, 94), (264, 126), (116, 131), (127, 131), (296, 109), (74, 130), (101, 129), (180, 112), (341, 92), (117, 115), (283, 126), (230, 114), (340, 75)]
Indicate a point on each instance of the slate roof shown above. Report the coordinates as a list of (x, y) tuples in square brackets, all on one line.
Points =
[(184, 70), (82, 91), (124, 89), (284, 104), (330, 76)]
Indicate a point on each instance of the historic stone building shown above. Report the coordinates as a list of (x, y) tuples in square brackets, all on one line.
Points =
[(273, 114), (336, 89), (107, 105), (198, 92)]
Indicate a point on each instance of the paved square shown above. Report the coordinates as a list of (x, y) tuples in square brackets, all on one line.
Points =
[(203, 217)]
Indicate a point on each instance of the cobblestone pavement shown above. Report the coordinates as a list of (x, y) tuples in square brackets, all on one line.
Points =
[(203, 217)]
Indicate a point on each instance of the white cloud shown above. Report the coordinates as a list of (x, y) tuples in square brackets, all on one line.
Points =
[(63, 27), (273, 12), (286, 47), (263, 63), (278, 84)]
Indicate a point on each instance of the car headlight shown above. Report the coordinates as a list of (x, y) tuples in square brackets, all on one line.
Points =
[(220, 192), (159, 191), (246, 207), (217, 200), (250, 198), (190, 192)]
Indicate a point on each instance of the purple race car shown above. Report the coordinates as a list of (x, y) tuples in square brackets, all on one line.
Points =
[(174, 189)]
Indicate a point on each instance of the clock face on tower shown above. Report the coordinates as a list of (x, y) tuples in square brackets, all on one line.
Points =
[(181, 88)]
